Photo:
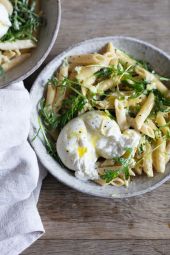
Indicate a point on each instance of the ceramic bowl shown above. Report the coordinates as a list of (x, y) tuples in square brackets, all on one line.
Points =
[(158, 59), (48, 34)]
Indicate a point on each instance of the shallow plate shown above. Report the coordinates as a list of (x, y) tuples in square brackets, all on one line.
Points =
[(48, 34), (159, 60)]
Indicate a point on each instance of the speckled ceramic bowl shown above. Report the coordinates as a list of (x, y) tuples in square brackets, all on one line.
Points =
[(48, 34), (158, 59)]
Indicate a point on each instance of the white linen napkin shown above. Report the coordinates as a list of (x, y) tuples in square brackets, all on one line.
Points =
[(20, 179)]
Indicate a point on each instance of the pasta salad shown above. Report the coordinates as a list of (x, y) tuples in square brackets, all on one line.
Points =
[(19, 24), (106, 116)]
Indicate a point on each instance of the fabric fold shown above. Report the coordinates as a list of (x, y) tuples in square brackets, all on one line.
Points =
[(20, 178)]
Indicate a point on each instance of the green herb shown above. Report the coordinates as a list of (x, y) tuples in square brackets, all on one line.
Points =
[(104, 73), (145, 65), (110, 175), (53, 81), (161, 102), (24, 21), (49, 145), (76, 104), (48, 116), (139, 88)]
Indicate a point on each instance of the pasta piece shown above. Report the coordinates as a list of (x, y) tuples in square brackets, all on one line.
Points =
[(121, 114), (118, 182), (147, 160), (151, 78), (50, 95), (151, 124), (87, 59), (138, 169), (135, 101), (105, 85), (106, 162), (146, 129), (60, 91), (131, 172), (145, 111), (103, 105), (124, 57), (15, 61), (160, 120), (109, 47), (85, 72), (159, 155), (167, 153), (17, 45)]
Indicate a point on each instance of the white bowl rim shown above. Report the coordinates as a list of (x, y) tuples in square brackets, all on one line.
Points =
[(44, 161)]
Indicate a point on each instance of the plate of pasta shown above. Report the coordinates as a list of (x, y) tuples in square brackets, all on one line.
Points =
[(101, 117), (28, 29)]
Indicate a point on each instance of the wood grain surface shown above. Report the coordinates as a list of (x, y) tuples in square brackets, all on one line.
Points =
[(75, 223)]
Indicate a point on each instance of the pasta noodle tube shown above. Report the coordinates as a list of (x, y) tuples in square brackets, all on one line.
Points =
[(17, 45), (167, 152), (85, 72), (50, 95), (151, 78), (60, 91), (105, 85), (159, 155), (147, 160), (124, 57), (146, 129), (109, 47), (15, 61), (145, 111), (121, 114), (160, 120), (87, 59)]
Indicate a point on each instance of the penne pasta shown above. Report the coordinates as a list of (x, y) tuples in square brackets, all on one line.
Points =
[(60, 91), (167, 152), (121, 115), (147, 160), (14, 62), (145, 111), (50, 95), (87, 59), (159, 155), (17, 45), (160, 120)]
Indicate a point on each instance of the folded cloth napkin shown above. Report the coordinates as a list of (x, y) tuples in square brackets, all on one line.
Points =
[(20, 179)]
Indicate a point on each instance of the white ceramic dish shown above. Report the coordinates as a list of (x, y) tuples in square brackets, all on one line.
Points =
[(48, 34), (160, 62)]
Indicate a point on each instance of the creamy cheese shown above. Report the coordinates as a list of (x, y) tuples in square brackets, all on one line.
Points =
[(4, 21), (92, 135)]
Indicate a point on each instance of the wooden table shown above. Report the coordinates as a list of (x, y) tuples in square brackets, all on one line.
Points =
[(78, 224)]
